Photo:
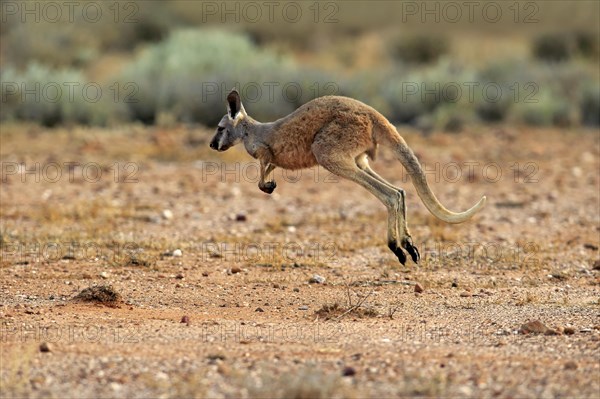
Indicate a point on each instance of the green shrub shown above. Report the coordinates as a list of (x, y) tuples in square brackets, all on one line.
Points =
[(549, 109), (421, 49), (189, 74), (553, 47), (587, 44), (49, 44), (590, 104), (54, 96), (421, 91)]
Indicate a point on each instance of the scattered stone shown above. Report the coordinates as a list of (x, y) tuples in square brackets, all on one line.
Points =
[(186, 320), (260, 310), (177, 253), (593, 247), (454, 283), (240, 217), (152, 219), (418, 288), (303, 307), (167, 214), (316, 279), (179, 276), (570, 365), (45, 347), (204, 274), (296, 289), (291, 229), (536, 327), (213, 358), (161, 376), (104, 275), (104, 294), (86, 276), (596, 265), (348, 371), (235, 270), (551, 331), (585, 330), (465, 294), (115, 386), (569, 331)]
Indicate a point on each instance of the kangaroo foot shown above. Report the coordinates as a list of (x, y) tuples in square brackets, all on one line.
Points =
[(397, 251), (268, 187), (411, 249)]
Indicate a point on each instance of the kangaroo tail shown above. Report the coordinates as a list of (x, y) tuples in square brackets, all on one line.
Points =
[(412, 166)]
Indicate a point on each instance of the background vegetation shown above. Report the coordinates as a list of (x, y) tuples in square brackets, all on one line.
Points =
[(170, 62)]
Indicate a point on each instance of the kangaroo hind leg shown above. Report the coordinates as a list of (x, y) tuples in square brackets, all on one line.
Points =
[(345, 166), (405, 238)]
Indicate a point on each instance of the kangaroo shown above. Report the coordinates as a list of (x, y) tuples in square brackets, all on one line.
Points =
[(341, 134)]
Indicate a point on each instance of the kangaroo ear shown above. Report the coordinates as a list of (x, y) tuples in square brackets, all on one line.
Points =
[(234, 103)]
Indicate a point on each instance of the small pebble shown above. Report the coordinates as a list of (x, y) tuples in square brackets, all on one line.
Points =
[(235, 270), (104, 275), (186, 320), (296, 289), (167, 214), (179, 276), (418, 288), (177, 253), (45, 347), (570, 365), (536, 327), (260, 310), (569, 330), (465, 294), (303, 307), (348, 371), (204, 274), (240, 217), (316, 279)]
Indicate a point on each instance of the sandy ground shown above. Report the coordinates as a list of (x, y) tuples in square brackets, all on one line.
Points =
[(219, 287)]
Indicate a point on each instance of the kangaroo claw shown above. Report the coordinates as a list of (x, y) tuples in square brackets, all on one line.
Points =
[(398, 252), (268, 187), (411, 249)]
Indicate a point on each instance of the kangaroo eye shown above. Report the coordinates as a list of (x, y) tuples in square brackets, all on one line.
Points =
[(220, 128)]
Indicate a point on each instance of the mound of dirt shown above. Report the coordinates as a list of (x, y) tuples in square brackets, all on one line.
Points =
[(103, 294)]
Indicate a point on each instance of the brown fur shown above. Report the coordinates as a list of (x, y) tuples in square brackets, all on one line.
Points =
[(338, 133)]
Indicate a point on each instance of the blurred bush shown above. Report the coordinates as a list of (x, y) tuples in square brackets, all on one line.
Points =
[(549, 109), (184, 76), (556, 47), (55, 96), (45, 44), (419, 92), (553, 47), (590, 104), (418, 49), (189, 74)]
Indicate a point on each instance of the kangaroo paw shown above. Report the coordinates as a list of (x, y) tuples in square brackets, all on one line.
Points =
[(397, 251), (268, 187), (411, 249)]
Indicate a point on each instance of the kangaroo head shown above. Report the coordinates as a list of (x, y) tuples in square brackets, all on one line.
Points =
[(230, 131)]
